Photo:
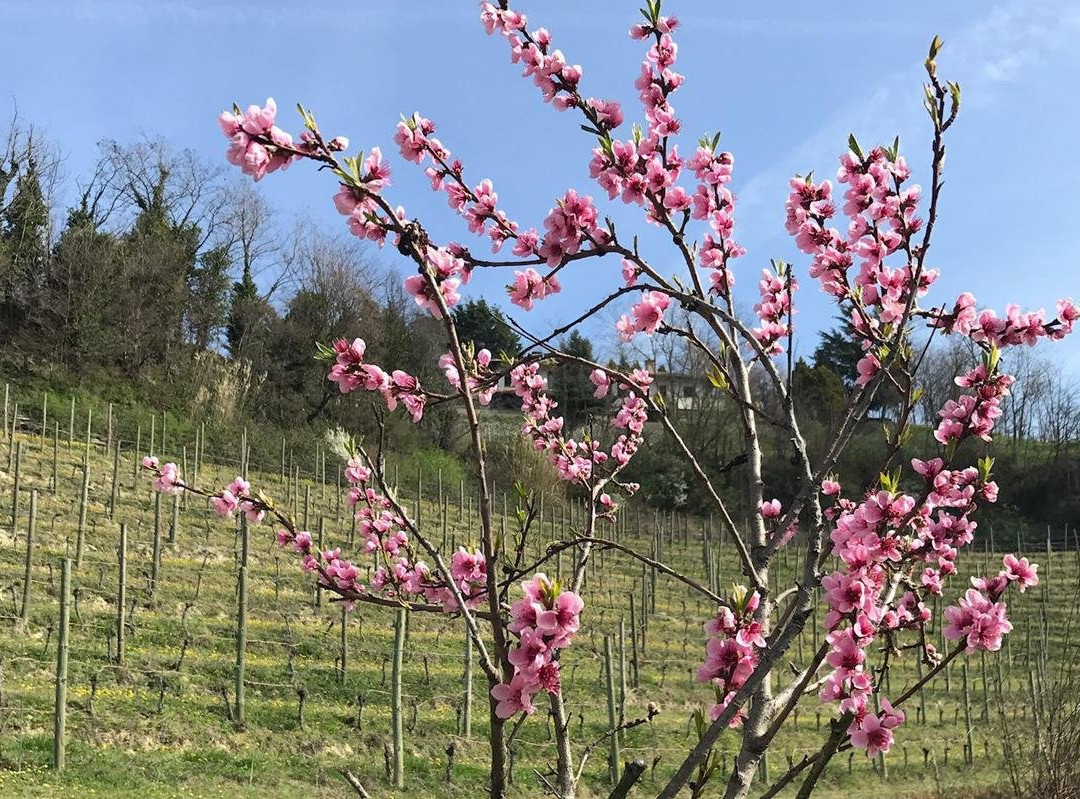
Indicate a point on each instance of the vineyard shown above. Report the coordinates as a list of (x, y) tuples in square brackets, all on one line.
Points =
[(153, 649)]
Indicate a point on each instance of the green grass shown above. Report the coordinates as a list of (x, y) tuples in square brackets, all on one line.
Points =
[(128, 746)]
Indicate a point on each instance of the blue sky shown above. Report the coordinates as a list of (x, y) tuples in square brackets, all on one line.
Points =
[(785, 82)]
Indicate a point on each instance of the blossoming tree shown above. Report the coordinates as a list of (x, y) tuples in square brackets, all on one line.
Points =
[(877, 555)]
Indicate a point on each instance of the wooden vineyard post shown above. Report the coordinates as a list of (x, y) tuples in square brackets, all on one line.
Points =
[(174, 526), (466, 710), (56, 457), (24, 613), (121, 594), (922, 691), (60, 711), (184, 471), (622, 669), (969, 755), (115, 490), (196, 461), (84, 498), (44, 419), (155, 564), (11, 437), (319, 543), (241, 619), (89, 434), (344, 642), (613, 738), (15, 489), (396, 721)]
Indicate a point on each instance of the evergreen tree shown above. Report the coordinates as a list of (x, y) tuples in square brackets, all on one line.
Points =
[(245, 310), (158, 257), (818, 391), (840, 351), (79, 311), (207, 306), (486, 326), (24, 228), (570, 384)]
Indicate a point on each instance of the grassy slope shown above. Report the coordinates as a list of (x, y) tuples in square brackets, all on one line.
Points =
[(128, 748)]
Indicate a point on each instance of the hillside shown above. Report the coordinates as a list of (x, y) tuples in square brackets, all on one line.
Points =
[(157, 724)]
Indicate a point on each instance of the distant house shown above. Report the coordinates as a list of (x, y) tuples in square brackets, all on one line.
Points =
[(504, 398), (682, 391)]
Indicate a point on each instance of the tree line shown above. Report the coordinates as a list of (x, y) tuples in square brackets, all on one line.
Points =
[(193, 293)]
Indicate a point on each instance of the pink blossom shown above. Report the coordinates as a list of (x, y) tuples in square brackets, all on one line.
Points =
[(868, 367), (873, 736), (513, 698), (770, 509), (600, 379), (529, 286), (1021, 572), (560, 622), (168, 480), (649, 312)]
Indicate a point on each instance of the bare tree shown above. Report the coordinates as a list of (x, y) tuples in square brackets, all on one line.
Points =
[(1059, 415), (149, 175), (1033, 375)]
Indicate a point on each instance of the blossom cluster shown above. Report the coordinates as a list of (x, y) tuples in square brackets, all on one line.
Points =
[(979, 618), (714, 202), (383, 532), (643, 168), (237, 497), (400, 572), (166, 476), (444, 273), (350, 372), (530, 286), (771, 511), (775, 288), (333, 571), (557, 80), (357, 202), (645, 316), (731, 650), (544, 620), (1016, 327), (882, 220), (892, 539), (658, 80), (974, 414), (256, 144), (478, 379), (570, 225), (476, 205), (576, 461), (572, 222)]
